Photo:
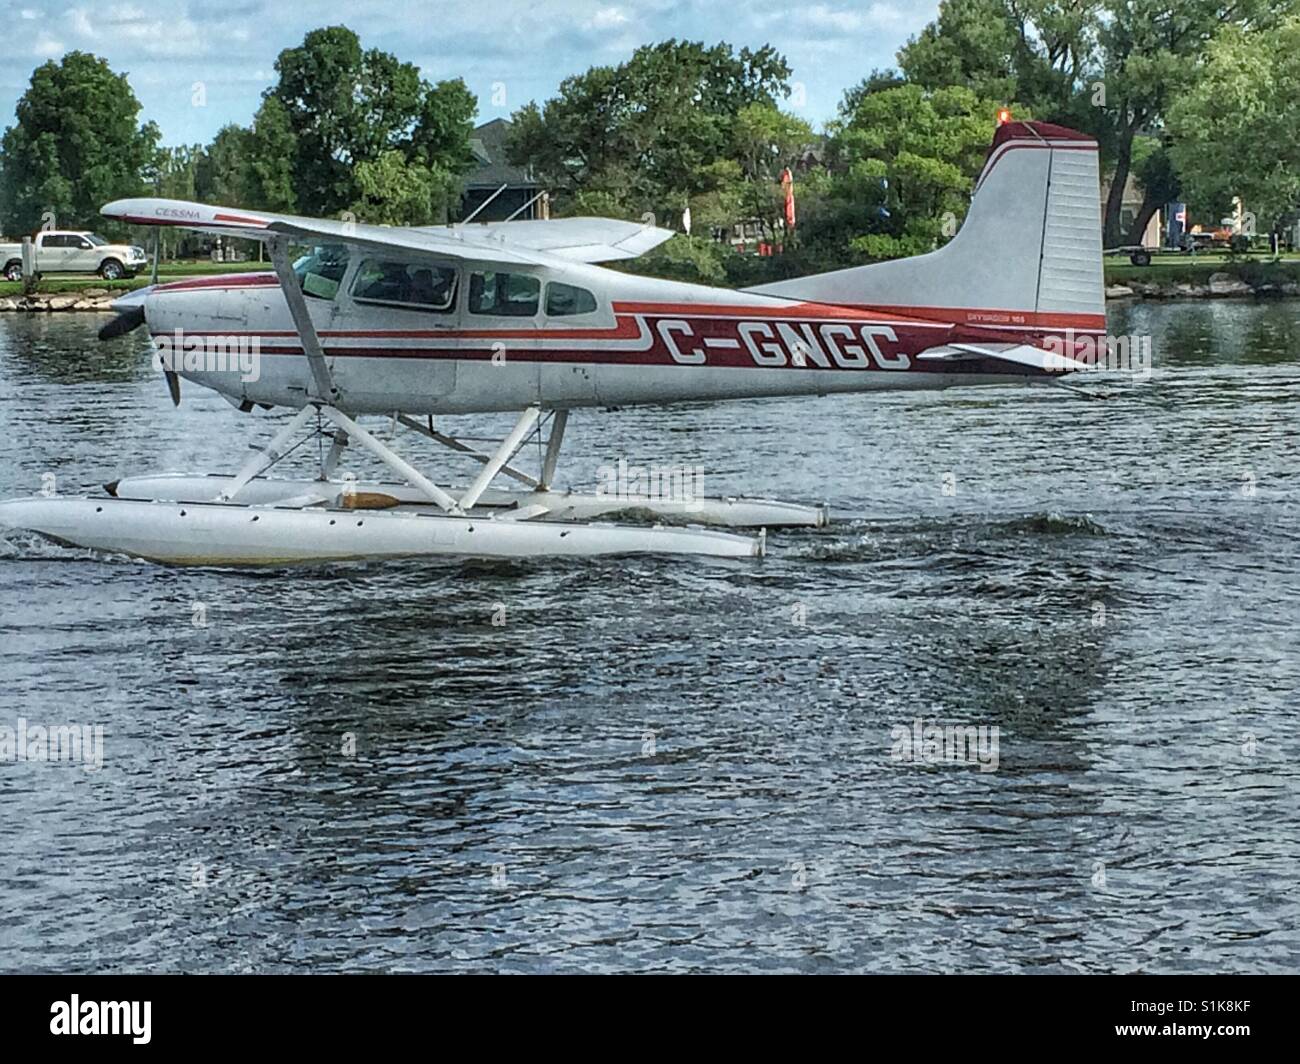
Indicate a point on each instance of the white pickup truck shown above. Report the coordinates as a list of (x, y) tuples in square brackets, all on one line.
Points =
[(64, 251)]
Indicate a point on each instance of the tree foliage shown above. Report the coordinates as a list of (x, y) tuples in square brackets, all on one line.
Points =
[(902, 164), (1236, 132), (679, 124), (1030, 53), (1112, 68), (269, 176), (77, 145), (1150, 55), (337, 108), (395, 191)]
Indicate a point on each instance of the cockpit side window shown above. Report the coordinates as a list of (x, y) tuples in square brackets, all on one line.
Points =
[(507, 295), (565, 299), (405, 285), (320, 271)]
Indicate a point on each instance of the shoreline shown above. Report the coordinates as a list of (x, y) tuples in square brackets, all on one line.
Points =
[(95, 300), (1216, 286)]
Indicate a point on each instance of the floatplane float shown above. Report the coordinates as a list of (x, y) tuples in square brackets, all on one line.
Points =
[(418, 323)]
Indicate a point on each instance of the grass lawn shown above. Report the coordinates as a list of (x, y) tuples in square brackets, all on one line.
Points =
[(1196, 269), (57, 283)]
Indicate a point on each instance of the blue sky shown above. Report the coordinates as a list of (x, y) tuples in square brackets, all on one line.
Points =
[(508, 51)]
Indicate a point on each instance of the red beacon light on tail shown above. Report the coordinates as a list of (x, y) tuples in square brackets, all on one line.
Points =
[(1004, 115)]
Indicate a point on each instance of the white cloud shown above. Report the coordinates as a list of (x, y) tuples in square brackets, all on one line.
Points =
[(80, 24), (609, 17), (827, 18), (123, 13), (46, 47)]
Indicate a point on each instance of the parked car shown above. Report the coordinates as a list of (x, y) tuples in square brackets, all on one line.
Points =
[(65, 251)]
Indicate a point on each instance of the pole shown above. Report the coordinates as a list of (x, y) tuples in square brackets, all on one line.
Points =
[(29, 266)]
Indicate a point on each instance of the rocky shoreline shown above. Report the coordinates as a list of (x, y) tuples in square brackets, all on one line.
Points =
[(91, 299), (1218, 286)]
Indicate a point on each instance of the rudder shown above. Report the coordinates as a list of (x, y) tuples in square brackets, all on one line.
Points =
[(1027, 257)]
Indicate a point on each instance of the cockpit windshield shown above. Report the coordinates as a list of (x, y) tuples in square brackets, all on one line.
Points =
[(320, 271)]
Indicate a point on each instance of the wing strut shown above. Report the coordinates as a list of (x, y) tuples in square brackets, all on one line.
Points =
[(504, 453), (392, 459), (463, 448), (559, 420), (326, 392)]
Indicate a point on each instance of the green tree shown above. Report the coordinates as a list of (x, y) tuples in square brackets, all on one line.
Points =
[(767, 141), (268, 173), (1110, 67), (1153, 168), (1030, 53), (344, 106), (443, 126), (1150, 55), (1236, 131), (648, 133), (176, 171), (222, 174), (77, 145), (692, 259), (971, 43), (903, 162), (397, 192)]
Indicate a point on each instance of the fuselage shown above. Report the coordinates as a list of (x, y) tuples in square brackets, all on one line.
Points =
[(431, 338)]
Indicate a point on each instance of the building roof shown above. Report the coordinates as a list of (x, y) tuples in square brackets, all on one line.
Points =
[(488, 143)]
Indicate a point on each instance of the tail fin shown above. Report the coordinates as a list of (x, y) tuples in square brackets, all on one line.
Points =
[(1027, 257)]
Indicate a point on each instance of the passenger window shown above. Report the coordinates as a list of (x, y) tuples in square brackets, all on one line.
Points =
[(509, 295), (321, 270), (562, 299), (407, 285)]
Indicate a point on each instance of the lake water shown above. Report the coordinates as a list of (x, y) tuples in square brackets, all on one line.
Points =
[(687, 765)]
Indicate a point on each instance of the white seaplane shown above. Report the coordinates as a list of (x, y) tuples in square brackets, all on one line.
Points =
[(413, 323)]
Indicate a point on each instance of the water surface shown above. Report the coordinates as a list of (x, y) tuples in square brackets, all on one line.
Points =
[(685, 764)]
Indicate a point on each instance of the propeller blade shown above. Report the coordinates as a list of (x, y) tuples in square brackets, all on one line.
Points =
[(173, 385), (129, 319)]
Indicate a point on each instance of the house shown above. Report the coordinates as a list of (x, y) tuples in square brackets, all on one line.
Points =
[(1130, 204), (488, 143)]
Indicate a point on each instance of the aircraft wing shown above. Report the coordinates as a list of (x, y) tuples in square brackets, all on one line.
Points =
[(541, 243), (576, 239)]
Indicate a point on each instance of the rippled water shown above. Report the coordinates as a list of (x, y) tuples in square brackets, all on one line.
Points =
[(680, 765)]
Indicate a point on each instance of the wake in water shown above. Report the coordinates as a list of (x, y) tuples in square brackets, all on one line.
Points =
[(861, 539), (22, 546)]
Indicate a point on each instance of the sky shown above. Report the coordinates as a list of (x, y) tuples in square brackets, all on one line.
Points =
[(196, 65)]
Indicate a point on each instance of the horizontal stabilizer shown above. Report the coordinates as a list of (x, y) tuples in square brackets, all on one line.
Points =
[(1017, 354)]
